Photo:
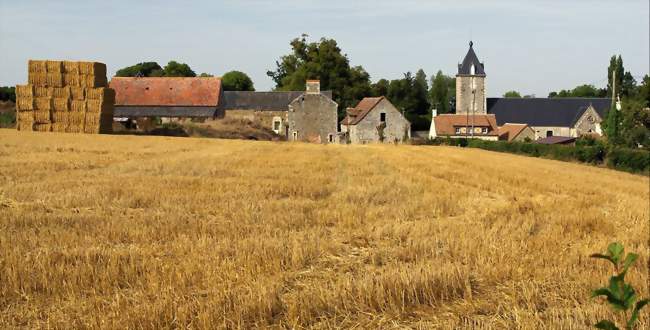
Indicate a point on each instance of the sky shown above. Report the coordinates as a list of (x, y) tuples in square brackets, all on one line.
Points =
[(533, 46)]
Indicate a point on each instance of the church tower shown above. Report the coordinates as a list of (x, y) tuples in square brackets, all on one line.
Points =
[(470, 85)]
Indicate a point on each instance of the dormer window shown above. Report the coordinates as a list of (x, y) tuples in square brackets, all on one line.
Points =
[(472, 70)]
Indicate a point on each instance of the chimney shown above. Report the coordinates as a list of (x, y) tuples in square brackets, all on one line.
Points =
[(313, 87)]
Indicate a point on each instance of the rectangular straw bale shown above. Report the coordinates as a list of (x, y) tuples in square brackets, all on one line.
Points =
[(76, 118), (24, 104), (97, 106), (43, 104), (60, 117), (74, 129), (77, 93), (40, 91), (104, 94), (94, 81), (36, 66), (78, 106), (25, 116), (54, 79), (25, 126), (62, 92), (42, 117), (42, 127), (37, 78), (54, 66), (92, 68), (61, 104), (59, 127), (71, 79), (71, 67), (24, 91)]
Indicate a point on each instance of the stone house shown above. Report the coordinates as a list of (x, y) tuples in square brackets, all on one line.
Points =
[(375, 119), (516, 133), (482, 126), (313, 116)]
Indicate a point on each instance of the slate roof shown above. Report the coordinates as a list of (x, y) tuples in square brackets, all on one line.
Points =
[(261, 101), (356, 114), (446, 124), (163, 111), (471, 58), (559, 112), (510, 131), (166, 91)]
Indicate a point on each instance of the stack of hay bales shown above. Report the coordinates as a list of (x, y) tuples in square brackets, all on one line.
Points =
[(65, 96)]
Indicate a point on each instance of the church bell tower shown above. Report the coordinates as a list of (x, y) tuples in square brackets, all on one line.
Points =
[(470, 85)]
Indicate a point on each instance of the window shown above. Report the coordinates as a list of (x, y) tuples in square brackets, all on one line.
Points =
[(382, 117), (472, 70), (485, 130), (549, 133), (295, 135), (330, 138), (457, 130), (277, 124)]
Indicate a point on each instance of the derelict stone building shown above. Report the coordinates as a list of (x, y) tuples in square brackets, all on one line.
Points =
[(375, 119), (312, 117)]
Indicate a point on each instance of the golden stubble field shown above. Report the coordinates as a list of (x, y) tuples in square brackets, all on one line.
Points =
[(152, 232)]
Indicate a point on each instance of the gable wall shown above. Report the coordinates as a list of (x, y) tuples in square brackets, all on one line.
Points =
[(314, 117), (396, 125)]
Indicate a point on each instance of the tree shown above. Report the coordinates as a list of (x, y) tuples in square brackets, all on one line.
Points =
[(153, 69), (421, 93), (644, 90), (580, 91), (634, 122), (321, 60), (442, 92), (175, 69), (206, 75), (8, 93), (380, 88), (512, 94), (144, 69), (628, 85), (615, 65), (237, 81)]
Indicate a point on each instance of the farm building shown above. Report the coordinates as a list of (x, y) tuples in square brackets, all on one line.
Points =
[(307, 113), (482, 126), (570, 117), (375, 119), (516, 133)]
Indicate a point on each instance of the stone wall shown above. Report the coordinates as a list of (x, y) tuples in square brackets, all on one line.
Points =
[(265, 118), (589, 123), (312, 118), (464, 96), (540, 131), (526, 133), (366, 130)]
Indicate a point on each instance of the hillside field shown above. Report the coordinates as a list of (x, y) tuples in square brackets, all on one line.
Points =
[(157, 232)]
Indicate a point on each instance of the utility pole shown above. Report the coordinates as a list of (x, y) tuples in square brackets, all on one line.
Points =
[(613, 88)]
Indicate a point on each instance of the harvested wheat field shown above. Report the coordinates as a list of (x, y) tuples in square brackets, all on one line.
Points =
[(100, 231)]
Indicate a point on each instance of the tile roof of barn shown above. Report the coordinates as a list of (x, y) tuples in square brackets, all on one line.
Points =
[(262, 101), (166, 91)]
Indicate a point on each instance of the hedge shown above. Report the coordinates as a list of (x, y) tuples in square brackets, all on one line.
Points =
[(592, 152)]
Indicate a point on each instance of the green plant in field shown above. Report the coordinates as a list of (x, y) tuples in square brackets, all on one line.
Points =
[(620, 296)]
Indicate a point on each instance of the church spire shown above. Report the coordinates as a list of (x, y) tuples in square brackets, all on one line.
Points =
[(471, 64)]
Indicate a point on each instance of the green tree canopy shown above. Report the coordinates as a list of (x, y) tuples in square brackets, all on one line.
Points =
[(380, 88), (512, 94), (442, 92), (153, 69), (206, 75), (580, 91), (321, 60), (176, 69), (8, 93), (615, 65), (144, 69), (237, 81)]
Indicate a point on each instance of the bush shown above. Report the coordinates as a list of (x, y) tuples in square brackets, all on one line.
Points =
[(630, 160), (7, 119)]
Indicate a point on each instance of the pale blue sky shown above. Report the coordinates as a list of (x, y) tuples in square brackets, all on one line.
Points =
[(530, 46)]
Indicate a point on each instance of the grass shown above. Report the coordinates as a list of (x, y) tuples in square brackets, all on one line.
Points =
[(159, 232)]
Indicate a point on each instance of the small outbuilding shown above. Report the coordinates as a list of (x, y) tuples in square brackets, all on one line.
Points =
[(375, 120), (516, 133)]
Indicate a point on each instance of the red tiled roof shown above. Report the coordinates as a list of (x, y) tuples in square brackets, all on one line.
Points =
[(166, 91), (354, 116), (510, 131), (446, 124)]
